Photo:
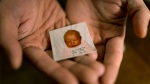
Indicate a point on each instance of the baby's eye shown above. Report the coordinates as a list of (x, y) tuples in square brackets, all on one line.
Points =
[(76, 40)]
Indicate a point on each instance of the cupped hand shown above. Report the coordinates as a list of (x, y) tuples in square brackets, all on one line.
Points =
[(106, 20), (24, 25)]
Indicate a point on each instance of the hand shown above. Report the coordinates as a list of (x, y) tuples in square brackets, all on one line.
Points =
[(24, 25), (106, 20)]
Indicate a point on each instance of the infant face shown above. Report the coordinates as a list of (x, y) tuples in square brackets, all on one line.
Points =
[(72, 38)]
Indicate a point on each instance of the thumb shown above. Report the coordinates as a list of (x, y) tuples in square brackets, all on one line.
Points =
[(140, 15), (9, 40)]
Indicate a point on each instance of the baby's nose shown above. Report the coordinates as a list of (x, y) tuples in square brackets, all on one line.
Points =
[(73, 43)]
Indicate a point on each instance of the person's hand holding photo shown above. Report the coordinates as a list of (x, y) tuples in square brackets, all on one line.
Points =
[(106, 20), (24, 27)]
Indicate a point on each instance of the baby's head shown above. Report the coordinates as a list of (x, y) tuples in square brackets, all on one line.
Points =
[(72, 38)]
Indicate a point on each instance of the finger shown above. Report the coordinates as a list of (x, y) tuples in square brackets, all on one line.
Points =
[(49, 67), (112, 60), (95, 65), (93, 55), (97, 54), (83, 73), (9, 40), (140, 15)]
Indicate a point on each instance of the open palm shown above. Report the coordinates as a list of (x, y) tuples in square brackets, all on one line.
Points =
[(106, 20), (27, 23)]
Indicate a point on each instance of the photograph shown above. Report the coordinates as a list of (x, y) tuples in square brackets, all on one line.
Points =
[(71, 41)]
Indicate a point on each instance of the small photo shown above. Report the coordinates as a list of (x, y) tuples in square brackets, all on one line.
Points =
[(71, 41)]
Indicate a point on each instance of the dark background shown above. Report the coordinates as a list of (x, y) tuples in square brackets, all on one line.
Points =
[(135, 67)]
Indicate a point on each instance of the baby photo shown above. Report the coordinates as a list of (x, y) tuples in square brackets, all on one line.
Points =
[(71, 41)]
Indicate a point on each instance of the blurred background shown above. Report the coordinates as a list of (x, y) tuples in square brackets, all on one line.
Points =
[(135, 67)]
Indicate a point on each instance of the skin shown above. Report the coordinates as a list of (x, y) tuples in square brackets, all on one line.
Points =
[(106, 20), (72, 38), (24, 26), (30, 21)]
